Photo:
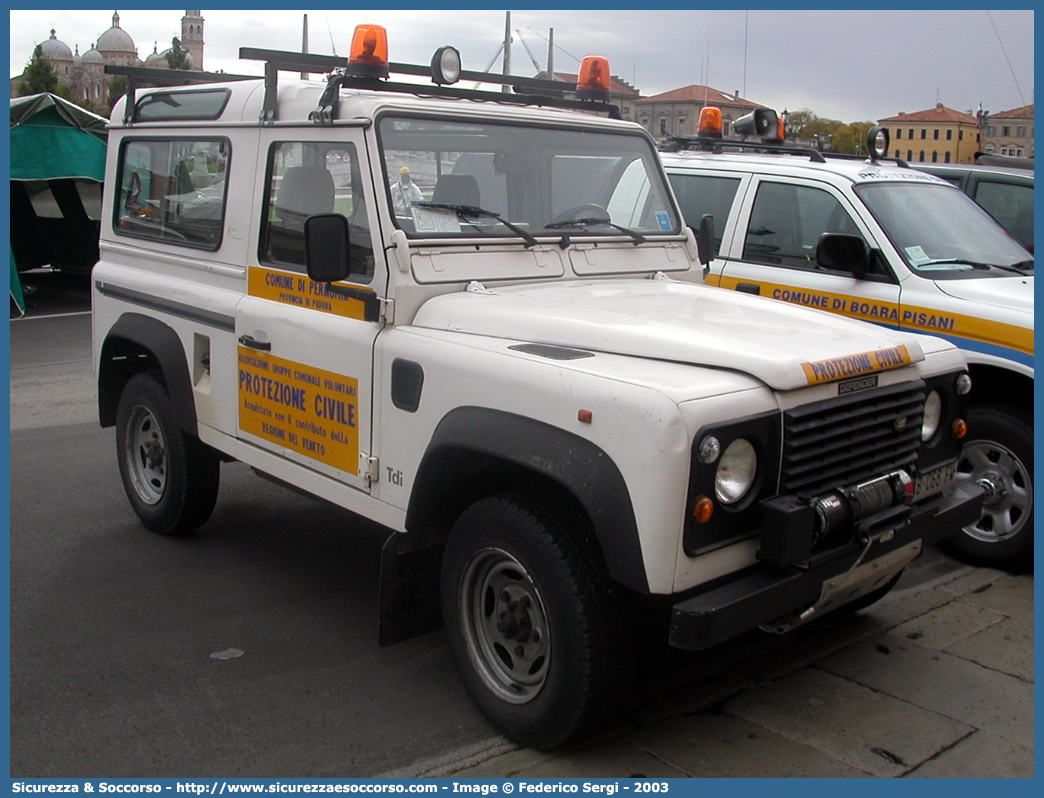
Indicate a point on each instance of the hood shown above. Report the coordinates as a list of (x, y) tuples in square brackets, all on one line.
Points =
[(784, 346), (1015, 293)]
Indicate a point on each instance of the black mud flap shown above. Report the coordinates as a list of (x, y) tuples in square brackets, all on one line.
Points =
[(409, 591)]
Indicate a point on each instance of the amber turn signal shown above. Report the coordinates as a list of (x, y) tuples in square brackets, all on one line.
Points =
[(702, 510)]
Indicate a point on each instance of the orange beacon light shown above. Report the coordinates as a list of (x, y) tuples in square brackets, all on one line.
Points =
[(710, 126), (593, 81), (369, 53)]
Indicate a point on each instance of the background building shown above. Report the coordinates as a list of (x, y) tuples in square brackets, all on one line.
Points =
[(84, 75), (938, 135), (1010, 133), (677, 112)]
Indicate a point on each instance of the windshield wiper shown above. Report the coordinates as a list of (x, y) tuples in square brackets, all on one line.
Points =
[(473, 211), (637, 237), (1023, 265), (1017, 268)]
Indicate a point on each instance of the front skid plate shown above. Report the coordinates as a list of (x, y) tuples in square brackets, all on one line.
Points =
[(849, 586)]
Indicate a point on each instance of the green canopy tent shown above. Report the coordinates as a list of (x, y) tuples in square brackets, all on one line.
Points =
[(57, 161)]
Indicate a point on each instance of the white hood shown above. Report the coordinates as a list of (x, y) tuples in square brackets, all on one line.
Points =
[(1012, 292), (784, 346)]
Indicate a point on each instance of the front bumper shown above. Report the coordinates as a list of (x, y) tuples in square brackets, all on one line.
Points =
[(766, 593)]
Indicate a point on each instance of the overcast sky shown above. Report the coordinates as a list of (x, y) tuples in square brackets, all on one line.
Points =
[(847, 65)]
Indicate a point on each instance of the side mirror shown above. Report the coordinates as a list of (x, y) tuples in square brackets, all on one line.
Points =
[(705, 240), (326, 247), (843, 253)]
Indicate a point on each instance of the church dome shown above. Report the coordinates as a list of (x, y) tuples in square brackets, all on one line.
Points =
[(161, 62), (92, 56), (56, 50), (116, 39), (156, 59)]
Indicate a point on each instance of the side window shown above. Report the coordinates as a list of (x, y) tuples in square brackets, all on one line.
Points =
[(309, 178), (1011, 205), (786, 223), (699, 195), (173, 190)]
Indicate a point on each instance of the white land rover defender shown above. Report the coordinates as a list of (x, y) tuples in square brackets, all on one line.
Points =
[(915, 254), (519, 374)]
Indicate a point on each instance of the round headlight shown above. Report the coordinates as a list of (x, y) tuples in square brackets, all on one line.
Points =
[(735, 472), (932, 416)]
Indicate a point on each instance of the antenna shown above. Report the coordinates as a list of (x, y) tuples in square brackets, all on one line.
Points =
[(746, 21), (304, 41), (333, 47)]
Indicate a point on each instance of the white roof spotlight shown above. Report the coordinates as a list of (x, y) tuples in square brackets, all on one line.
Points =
[(445, 65)]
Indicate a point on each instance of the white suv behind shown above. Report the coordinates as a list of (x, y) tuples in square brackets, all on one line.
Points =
[(906, 250)]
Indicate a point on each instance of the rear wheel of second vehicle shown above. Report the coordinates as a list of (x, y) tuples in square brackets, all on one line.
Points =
[(171, 477), (998, 456)]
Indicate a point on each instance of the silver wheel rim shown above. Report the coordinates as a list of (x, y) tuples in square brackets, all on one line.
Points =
[(1009, 491), (145, 453), (505, 626)]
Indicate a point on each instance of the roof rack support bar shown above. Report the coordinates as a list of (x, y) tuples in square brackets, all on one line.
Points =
[(131, 105), (269, 110), (283, 60)]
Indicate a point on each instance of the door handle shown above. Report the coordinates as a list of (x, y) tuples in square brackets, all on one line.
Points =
[(253, 343), (749, 288)]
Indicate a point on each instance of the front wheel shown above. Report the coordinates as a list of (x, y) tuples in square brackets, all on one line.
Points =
[(998, 456), (170, 476), (535, 626)]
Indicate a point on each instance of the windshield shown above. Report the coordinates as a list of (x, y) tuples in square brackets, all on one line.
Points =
[(456, 179), (941, 233)]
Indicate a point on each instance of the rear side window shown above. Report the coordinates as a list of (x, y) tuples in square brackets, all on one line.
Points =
[(173, 190), (700, 195), (179, 105), (1011, 205)]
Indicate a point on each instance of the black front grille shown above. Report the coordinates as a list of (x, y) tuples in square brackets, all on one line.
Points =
[(850, 439)]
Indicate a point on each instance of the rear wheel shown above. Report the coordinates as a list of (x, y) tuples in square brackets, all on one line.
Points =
[(998, 456), (535, 626), (170, 476)]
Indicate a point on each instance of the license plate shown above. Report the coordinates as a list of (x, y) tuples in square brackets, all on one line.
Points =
[(933, 481)]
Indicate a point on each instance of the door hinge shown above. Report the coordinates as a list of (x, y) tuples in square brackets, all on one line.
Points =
[(387, 311), (369, 467)]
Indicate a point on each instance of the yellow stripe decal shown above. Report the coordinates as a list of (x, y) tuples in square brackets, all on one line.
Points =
[(291, 288), (838, 368), (917, 319)]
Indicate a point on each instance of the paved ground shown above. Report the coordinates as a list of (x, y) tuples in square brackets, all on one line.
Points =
[(934, 681)]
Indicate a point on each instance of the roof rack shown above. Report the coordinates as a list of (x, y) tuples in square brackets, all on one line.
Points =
[(137, 76), (528, 91), (679, 143)]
